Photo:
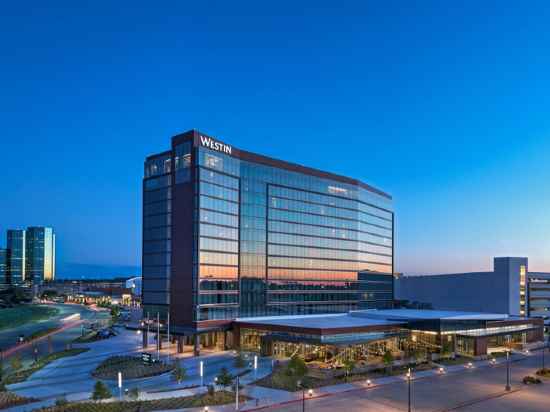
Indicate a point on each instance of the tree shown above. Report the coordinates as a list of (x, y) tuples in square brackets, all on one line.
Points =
[(349, 366), (388, 359), (61, 401), (133, 394), (224, 378), (296, 367), (15, 363), (101, 391), (239, 361), (179, 373)]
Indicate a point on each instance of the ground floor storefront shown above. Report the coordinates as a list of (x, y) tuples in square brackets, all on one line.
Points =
[(373, 338)]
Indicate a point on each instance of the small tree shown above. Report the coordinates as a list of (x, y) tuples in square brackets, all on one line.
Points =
[(133, 394), (224, 378), (61, 401), (101, 391), (388, 359), (239, 361), (179, 373), (15, 363), (296, 367), (349, 366)]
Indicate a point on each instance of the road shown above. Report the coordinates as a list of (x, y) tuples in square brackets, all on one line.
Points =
[(9, 337), (481, 389)]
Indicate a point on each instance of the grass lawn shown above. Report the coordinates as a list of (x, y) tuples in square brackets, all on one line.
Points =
[(132, 367), (218, 398), (23, 374), (8, 399), (12, 317)]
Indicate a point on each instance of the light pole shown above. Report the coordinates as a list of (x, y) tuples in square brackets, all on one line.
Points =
[(201, 372), (543, 349), (168, 331), (158, 336), (508, 387), (255, 366), (409, 377), (120, 385), (237, 394)]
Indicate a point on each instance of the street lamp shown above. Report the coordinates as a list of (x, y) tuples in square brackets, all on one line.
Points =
[(369, 382), (201, 372), (543, 349), (120, 384), (508, 387), (409, 377)]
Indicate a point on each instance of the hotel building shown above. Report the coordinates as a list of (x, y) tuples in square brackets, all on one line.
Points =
[(244, 251), (229, 233)]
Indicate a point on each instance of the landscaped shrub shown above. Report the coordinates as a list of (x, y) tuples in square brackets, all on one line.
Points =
[(296, 367), (527, 380), (179, 373), (544, 372), (224, 378), (101, 391), (8, 399)]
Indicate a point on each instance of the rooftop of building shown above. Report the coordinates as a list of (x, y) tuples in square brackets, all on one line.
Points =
[(330, 321), (369, 318), (270, 161), (425, 314)]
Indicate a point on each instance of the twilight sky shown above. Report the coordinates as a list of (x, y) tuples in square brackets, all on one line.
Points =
[(445, 105)]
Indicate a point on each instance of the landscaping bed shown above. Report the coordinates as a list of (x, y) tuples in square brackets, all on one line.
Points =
[(545, 373), (132, 367), (217, 398), (8, 400), (23, 375), (281, 379)]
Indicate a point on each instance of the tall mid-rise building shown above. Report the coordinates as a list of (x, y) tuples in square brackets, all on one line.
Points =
[(40, 254), (17, 256), (229, 234), (4, 268)]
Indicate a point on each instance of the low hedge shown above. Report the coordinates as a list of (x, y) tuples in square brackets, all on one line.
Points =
[(217, 398)]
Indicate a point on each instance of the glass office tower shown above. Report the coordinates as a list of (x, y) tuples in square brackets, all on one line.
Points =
[(4, 272), (229, 233), (17, 256), (40, 254)]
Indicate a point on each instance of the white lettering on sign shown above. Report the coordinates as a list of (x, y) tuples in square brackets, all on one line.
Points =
[(212, 144)]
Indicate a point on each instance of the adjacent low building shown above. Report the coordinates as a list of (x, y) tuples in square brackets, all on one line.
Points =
[(370, 333), (510, 288)]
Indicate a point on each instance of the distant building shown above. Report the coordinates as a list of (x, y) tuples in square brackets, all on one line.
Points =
[(4, 271), (17, 256), (510, 288), (134, 284), (40, 254)]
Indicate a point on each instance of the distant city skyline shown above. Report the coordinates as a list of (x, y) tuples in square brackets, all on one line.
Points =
[(450, 111)]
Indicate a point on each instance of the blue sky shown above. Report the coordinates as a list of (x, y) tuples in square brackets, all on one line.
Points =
[(444, 105)]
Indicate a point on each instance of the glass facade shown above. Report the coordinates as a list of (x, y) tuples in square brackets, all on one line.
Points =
[(274, 241), (269, 238), (17, 257), (40, 254), (4, 273), (157, 244)]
